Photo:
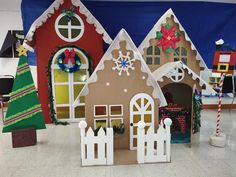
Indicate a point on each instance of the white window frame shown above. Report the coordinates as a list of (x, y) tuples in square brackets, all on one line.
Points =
[(69, 27), (106, 119), (94, 111), (113, 105), (117, 118)]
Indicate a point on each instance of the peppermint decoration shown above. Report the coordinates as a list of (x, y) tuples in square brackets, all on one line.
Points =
[(123, 63)]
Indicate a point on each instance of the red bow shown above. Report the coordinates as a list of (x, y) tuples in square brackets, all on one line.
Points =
[(69, 55)]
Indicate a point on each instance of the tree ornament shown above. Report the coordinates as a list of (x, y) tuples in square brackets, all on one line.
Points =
[(123, 63), (21, 51), (167, 38), (69, 57)]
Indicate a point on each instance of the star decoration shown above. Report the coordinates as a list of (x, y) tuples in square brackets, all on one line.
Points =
[(167, 38), (123, 63), (21, 51)]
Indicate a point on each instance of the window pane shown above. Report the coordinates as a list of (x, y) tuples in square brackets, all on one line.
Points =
[(63, 32), (183, 51), (60, 76), (101, 123), (136, 118), (77, 89), (149, 50), (100, 110), (149, 60), (75, 33), (184, 60), (135, 130), (62, 94), (82, 99), (63, 112), (147, 118), (63, 21), (135, 142), (176, 52), (157, 50), (176, 59), (80, 112), (116, 110), (116, 122), (75, 21), (156, 60), (80, 76)]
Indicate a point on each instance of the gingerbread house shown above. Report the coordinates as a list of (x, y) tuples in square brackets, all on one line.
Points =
[(176, 65), (64, 37), (121, 92)]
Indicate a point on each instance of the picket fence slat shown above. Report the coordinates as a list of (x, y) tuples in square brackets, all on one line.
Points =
[(157, 147), (96, 150)]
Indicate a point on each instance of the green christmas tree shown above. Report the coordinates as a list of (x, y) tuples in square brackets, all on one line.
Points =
[(24, 109)]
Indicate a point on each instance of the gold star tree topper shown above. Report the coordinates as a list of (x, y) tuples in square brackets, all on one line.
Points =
[(21, 51)]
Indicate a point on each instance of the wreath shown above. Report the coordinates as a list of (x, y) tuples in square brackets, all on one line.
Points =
[(65, 57)]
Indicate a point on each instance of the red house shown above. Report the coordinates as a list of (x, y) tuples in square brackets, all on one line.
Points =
[(68, 41)]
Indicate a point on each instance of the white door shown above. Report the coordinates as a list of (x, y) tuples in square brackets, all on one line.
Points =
[(141, 108)]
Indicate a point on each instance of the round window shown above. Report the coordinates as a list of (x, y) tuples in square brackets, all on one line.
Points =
[(177, 74), (69, 30)]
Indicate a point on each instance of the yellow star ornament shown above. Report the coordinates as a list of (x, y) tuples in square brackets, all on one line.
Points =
[(21, 51)]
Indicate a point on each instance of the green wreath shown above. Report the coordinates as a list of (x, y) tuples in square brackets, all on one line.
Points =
[(65, 57)]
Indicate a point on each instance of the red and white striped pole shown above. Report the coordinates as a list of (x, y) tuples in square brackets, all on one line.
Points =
[(219, 104)]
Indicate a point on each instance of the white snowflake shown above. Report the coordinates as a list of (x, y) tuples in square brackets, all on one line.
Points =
[(123, 63)]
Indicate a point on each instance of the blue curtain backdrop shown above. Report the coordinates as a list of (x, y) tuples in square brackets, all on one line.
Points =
[(203, 21)]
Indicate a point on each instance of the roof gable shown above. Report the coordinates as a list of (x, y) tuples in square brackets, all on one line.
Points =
[(51, 10), (123, 36), (157, 27), (166, 69)]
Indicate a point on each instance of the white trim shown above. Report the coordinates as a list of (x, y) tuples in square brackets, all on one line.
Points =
[(166, 69), (117, 118), (157, 27), (113, 105), (106, 119), (94, 111), (55, 6), (69, 27), (123, 35)]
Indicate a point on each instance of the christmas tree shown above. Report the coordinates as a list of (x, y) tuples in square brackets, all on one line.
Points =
[(24, 109)]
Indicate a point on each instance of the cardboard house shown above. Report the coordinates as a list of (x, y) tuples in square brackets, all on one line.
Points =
[(176, 66), (122, 91), (65, 30)]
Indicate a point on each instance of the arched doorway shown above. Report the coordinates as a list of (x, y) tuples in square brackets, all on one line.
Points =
[(179, 99), (67, 86)]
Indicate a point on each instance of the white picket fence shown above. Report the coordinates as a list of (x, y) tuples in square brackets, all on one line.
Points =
[(154, 147), (96, 150)]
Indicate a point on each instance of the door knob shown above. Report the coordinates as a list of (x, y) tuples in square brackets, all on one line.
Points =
[(131, 124)]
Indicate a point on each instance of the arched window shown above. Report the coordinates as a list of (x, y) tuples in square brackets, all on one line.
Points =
[(180, 55), (67, 86), (153, 55)]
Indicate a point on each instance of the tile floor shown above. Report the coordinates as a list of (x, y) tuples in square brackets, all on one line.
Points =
[(57, 154)]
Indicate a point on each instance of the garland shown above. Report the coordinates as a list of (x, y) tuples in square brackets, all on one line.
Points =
[(67, 56), (50, 93), (69, 13), (116, 129), (197, 108)]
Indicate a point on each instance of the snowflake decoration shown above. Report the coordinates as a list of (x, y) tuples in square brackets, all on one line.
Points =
[(123, 63)]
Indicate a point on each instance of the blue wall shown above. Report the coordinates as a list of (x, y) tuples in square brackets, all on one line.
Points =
[(203, 21)]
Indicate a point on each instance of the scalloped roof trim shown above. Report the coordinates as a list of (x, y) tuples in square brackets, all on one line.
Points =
[(123, 35), (51, 10), (157, 26), (165, 69)]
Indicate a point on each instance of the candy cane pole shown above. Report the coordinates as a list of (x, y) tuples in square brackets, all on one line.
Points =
[(219, 104)]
